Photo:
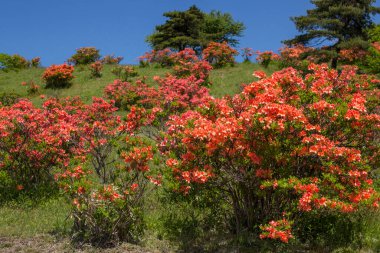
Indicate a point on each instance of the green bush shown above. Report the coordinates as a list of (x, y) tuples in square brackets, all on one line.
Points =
[(11, 62), (7, 99)]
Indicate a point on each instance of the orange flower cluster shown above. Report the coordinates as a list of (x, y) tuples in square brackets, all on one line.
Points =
[(58, 75)]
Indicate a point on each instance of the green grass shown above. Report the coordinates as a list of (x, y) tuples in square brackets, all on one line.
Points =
[(225, 81), (28, 219)]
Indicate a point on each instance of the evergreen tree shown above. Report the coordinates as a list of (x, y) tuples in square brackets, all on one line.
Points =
[(194, 28), (343, 23)]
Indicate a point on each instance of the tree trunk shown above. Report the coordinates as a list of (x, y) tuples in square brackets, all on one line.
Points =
[(334, 62)]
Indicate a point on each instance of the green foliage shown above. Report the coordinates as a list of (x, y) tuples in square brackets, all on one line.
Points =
[(372, 62), (124, 73), (9, 98), (195, 29), (13, 62), (220, 27)]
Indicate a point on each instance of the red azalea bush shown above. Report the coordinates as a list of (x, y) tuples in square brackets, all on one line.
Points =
[(352, 55), (109, 209), (111, 59), (126, 94), (58, 76), (96, 69), (84, 56), (80, 146), (182, 93), (186, 63), (266, 57), (35, 142), (298, 57), (160, 57), (286, 144), (172, 96), (219, 54)]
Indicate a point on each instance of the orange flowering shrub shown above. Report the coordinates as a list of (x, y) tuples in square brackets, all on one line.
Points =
[(111, 59), (58, 76), (266, 57), (352, 55), (161, 57), (186, 63), (96, 69), (219, 54), (84, 56), (287, 144), (35, 62)]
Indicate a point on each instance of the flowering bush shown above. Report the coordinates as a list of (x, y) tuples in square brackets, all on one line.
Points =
[(58, 76), (84, 56), (266, 57), (96, 69), (247, 53), (111, 59), (285, 144), (35, 62), (180, 94), (32, 87), (124, 72), (34, 142), (126, 94), (298, 57), (109, 209), (352, 55), (186, 63), (161, 57), (219, 54)]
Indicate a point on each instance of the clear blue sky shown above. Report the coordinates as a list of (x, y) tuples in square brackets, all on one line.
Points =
[(53, 29)]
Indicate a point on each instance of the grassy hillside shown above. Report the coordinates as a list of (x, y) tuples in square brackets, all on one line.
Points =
[(226, 81)]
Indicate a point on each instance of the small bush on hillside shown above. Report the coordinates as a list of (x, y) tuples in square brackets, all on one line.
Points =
[(32, 87), (267, 57), (84, 56), (96, 69), (247, 53), (9, 98), (219, 54), (111, 59), (13, 62), (160, 57), (58, 76), (124, 73), (35, 62)]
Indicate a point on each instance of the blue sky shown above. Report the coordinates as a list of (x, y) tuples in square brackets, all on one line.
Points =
[(53, 29)]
